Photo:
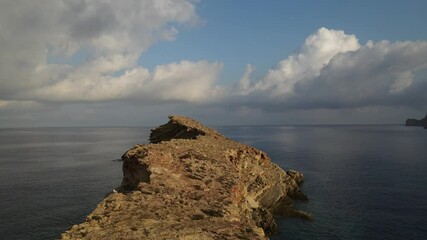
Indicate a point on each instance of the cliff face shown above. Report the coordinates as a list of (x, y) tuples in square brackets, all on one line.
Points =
[(416, 122), (191, 182)]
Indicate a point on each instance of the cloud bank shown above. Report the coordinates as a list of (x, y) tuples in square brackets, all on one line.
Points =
[(55, 52), (74, 51), (333, 70)]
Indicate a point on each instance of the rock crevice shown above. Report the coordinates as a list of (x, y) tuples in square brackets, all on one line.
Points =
[(191, 182)]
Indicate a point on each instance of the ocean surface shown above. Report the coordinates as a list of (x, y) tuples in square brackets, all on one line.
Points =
[(363, 182)]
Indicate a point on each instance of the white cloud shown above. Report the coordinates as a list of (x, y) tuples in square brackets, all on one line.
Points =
[(186, 80), (305, 65), (87, 51), (245, 81), (63, 50), (333, 70), (183, 81)]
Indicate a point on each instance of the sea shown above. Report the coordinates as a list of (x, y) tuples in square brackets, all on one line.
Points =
[(363, 182)]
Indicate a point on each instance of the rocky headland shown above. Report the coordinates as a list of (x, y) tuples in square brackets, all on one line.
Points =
[(191, 182), (415, 122)]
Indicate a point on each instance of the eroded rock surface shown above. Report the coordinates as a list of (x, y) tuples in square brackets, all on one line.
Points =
[(191, 182)]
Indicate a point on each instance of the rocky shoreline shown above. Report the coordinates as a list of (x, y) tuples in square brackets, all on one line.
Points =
[(191, 182)]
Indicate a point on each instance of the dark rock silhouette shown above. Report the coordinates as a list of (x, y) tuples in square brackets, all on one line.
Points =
[(416, 122)]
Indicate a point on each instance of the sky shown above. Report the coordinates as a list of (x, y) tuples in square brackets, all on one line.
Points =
[(240, 62)]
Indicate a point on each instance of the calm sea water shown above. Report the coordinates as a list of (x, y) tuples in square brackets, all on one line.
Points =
[(363, 182)]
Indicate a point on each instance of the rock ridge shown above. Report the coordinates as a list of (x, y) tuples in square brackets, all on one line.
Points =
[(191, 182)]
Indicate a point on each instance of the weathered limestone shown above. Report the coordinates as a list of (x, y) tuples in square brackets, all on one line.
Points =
[(193, 183)]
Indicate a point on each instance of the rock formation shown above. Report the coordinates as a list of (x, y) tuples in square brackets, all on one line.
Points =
[(416, 122), (191, 182)]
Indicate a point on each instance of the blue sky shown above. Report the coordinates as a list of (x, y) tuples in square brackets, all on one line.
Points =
[(133, 62), (264, 32)]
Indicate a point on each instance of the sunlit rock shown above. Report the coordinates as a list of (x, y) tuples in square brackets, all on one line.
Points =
[(191, 182)]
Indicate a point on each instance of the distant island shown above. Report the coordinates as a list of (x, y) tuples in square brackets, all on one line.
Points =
[(416, 122)]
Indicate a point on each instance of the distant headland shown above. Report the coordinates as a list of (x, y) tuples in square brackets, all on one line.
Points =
[(416, 122)]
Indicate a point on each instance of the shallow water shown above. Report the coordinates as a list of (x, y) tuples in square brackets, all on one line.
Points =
[(363, 182)]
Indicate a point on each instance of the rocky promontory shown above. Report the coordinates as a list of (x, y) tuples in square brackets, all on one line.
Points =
[(191, 182), (416, 122)]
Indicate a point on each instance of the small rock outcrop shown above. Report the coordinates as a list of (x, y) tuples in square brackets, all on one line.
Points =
[(416, 122), (191, 182)]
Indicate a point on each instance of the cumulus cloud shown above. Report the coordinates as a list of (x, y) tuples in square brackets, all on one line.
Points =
[(179, 81), (314, 54), (333, 70), (86, 52), (63, 50)]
